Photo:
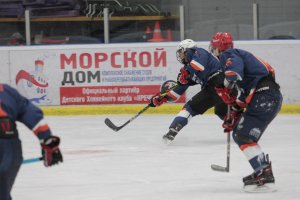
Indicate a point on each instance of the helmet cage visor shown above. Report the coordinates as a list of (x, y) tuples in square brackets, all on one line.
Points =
[(180, 55)]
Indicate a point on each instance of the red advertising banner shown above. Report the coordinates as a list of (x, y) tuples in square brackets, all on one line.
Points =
[(91, 95)]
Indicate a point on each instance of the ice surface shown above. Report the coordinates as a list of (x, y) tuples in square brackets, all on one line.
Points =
[(135, 164)]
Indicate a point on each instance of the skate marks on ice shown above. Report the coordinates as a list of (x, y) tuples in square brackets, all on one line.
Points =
[(268, 187), (137, 165)]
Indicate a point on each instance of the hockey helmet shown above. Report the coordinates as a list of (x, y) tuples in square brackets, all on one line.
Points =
[(182, 47), (220, 42)]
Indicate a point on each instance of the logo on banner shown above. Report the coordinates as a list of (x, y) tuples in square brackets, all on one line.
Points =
[(33, 85)]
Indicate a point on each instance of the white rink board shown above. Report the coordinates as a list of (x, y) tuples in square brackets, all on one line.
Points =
[(282, 55), (4, 66)]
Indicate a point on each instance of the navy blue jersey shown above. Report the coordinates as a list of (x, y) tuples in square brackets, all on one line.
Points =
[(244, 68), (18, 108), (201, 65)]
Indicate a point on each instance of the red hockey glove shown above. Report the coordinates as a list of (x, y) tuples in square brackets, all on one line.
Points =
[(50, 151), (182, 77), (157, 100), (234, 116), (226, 95)]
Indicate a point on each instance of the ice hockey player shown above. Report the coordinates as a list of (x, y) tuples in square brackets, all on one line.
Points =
[(250, 84), (200, 67), (14, 107)]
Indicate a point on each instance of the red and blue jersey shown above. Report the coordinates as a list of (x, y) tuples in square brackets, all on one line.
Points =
[(201, 66), (245, 69), (17, 108)]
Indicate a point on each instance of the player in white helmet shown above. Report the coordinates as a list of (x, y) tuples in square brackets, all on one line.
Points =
[(199, 67)]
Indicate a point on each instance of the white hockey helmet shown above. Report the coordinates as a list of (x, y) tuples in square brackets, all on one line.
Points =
[(182, 47), (186, 44)]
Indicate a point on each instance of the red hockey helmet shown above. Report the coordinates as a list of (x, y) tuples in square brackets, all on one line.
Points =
[(221, 41)]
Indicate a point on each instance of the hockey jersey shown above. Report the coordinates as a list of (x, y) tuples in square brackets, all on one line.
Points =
[(245, 69), (201, 65), (17, 108)]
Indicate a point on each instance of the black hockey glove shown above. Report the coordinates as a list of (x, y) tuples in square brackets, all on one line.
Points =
[(50, 151)]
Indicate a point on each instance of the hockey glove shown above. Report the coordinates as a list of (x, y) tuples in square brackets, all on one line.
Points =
[(50, 151), (182, 77), (157, 100), (227, 95), (234, 116)]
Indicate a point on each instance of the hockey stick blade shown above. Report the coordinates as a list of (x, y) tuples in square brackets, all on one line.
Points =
[(32, 160), (219, 168), (117, 128), (111, 125)]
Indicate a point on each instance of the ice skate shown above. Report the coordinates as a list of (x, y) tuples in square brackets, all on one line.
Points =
[(263, 181), (169, 137), (173, 131)]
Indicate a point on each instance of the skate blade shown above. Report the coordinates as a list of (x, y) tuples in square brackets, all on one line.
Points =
[(268, 187), (167, 141)]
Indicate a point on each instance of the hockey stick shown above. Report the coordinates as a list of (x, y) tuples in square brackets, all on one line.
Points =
[(117, 128), (32, 160), (218, 167), (111, 125)]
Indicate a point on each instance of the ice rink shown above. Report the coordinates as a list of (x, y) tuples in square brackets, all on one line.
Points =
[(134, 163)]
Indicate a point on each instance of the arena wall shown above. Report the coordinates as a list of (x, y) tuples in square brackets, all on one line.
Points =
[(120, 78)]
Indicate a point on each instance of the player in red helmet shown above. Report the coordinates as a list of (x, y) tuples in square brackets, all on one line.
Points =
[(249, 84), (220, 42)]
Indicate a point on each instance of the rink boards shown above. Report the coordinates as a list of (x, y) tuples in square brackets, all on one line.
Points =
[(133, 109)]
